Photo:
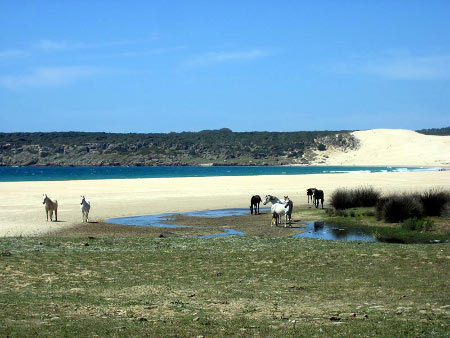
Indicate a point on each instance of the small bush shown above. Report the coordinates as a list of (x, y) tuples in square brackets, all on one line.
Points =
[(398, 208), (369, 213), (417, 224), (433, 202), (351, 198)]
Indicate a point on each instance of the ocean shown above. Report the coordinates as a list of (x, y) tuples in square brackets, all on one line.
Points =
[(16, 174)]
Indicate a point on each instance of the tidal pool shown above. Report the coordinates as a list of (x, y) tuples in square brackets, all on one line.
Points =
[(319, 230), (327, 231), (157, 220)]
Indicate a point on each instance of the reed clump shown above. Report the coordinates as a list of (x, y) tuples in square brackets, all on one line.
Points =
[(351, 198), (400, 207), (393, 208)]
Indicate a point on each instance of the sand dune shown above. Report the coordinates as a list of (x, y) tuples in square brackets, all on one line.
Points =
[(391, 147)]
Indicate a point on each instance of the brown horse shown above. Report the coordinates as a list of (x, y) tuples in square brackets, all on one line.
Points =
[(309, 193), (50, 206), (318, 196), (254, 204)]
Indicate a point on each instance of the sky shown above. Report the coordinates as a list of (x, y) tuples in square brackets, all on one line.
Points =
[(172, 66)]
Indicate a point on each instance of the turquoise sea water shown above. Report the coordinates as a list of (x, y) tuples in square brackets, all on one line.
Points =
[(15, 174)]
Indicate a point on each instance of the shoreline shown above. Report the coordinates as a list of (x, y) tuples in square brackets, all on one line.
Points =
[(22, 212), (94, 173)]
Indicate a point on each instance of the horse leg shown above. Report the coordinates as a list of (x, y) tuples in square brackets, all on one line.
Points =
[(56, 215), (322, 203), (251, 209), (46, 213), (257, 206)]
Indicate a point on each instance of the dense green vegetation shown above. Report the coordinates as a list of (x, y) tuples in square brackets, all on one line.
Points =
[(435, 131), (221, 147), (206, 137)]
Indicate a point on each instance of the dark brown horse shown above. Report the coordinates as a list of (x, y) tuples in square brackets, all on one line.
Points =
[(309, 193), (318, 196), (254, 204)]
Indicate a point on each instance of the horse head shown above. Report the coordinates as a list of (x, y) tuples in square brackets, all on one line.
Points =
[(44, 198), (82, 199), (288, 202), (267, 199)]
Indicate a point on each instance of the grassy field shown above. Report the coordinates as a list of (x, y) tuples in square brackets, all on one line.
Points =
[(97, 280), (227, 286)]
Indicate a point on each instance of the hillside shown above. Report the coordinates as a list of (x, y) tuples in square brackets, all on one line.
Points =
[(224, 147), (209, 147)]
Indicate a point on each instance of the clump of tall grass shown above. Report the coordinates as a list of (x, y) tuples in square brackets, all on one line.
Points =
[(350, 198), (397, 208), (433, 201)]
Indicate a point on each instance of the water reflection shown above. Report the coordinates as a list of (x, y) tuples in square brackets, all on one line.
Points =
[(323, 230)]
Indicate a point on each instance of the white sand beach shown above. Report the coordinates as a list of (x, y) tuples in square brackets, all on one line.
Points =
[(22, 212)]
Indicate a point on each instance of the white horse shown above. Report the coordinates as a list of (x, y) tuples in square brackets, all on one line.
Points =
[(50, 206), (277, 209), (85, 207), (272, 199)]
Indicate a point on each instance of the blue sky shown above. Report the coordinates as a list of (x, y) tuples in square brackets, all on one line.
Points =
[(162, 66)]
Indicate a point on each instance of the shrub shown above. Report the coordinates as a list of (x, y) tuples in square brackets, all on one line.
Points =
[(417, 224), (366, 196), (351, 198), (398, 208), (341, 199), (433, 202)]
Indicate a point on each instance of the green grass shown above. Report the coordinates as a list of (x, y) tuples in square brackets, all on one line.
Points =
[(237, 286)]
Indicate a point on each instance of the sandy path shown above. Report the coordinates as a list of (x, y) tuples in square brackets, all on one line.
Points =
[(22, 212)]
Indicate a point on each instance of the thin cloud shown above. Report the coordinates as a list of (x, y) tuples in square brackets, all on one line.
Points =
[(48, 76), (155, 51), (51, 45), (12, 54), (223, 57), (400, 66), (54, 46), (412, 67)]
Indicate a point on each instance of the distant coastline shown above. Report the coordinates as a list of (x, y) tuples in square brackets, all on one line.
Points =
[(225, 148)]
